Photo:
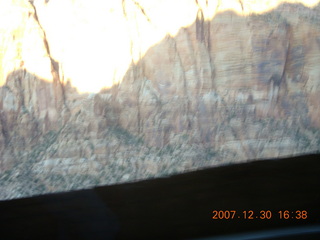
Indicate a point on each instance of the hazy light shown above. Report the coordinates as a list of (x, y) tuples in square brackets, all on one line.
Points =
[(96, 44)]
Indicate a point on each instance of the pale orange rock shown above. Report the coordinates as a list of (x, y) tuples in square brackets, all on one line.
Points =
[(103, 92)]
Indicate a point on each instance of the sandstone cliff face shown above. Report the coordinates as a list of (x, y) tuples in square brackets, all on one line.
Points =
[(98, 93)]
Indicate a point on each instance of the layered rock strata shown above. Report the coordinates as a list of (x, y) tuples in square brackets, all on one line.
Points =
[(99, 93)]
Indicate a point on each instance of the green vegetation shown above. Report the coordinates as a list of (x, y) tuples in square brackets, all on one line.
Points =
[(302, 138), (91, 146), (6, 175), (168, 149), (185, 137), (47, 140), (125, 136), (269, 17), (209, 153)]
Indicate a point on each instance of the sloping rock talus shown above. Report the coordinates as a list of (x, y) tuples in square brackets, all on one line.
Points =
[(103, 92)]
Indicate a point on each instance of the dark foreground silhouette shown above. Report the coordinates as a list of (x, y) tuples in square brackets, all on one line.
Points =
[(181, 206)]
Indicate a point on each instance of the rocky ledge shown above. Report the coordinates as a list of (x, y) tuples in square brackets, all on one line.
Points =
[(96, 93)]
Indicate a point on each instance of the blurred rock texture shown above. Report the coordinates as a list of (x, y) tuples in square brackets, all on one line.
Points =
[(101, 92)]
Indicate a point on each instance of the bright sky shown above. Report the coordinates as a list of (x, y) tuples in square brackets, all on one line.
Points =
[(96, 44)]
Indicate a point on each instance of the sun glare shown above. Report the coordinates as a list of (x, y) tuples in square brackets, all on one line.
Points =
[(96, 41)]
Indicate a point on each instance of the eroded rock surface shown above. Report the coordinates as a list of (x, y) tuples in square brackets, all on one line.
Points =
[(98, 93)]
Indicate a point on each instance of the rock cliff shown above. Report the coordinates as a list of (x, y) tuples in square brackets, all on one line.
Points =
[(98, 92)]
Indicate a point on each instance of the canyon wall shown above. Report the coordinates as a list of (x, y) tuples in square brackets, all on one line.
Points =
[(100, 93)]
